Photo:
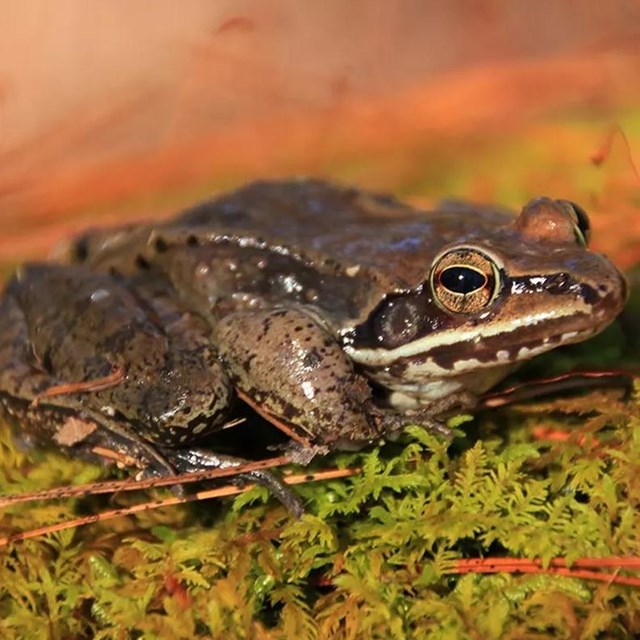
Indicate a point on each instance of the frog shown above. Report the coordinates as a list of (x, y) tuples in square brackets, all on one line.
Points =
[(340, 315)]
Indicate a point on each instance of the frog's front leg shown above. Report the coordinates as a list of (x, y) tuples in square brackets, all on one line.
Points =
[(294, 372)]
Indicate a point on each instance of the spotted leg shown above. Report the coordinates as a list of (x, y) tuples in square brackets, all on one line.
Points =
[(293, 371)]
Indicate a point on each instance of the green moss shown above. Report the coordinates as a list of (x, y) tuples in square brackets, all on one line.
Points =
[(374, 556)]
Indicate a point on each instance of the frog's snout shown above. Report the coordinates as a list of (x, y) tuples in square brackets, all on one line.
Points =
[(612, 293)]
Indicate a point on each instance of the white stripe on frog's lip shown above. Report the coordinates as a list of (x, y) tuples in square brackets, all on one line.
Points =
[(382, 357), (425, 371)]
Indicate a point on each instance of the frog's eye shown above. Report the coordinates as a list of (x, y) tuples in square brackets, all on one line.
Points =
[(465, 281), (581, 224)]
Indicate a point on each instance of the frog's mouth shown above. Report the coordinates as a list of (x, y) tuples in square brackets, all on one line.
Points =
[(510, 353), (459, 351)]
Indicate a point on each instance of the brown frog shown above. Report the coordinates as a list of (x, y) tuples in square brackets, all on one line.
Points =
[(302, 297)]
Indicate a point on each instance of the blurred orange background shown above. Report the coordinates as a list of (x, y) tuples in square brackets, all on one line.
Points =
[(114, 110)]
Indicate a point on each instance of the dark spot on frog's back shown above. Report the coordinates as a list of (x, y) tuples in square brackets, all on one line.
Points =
[(160, 245), (80, 250), (142, 263)]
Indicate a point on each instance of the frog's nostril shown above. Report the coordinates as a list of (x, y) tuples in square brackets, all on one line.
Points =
[(142, 263), (613, 294)]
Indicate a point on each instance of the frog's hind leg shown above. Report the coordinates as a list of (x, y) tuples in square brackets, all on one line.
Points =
[(294, 372), (21, 373), (190, 460), (59, 420), (80, 434), (23, 378)]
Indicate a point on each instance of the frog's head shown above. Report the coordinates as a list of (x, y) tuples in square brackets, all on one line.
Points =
[(489, 301)]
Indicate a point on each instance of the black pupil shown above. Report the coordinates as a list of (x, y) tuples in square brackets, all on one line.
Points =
[(462, 279)]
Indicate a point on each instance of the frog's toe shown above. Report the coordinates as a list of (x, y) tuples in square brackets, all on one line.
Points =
[(302, 454), (192, 460), (152, 473), (277, 488), (394, 424)]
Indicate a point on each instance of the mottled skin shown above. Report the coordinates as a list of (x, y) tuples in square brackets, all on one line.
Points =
[(335, 403), (298, 295), (57, 318)]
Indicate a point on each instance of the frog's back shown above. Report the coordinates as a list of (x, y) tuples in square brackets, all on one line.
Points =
[(296, 241), (375, 232)]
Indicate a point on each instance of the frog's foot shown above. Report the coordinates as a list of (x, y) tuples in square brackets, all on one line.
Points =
[(452, 405), (303, 454), (191, 460), (394, 424)]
